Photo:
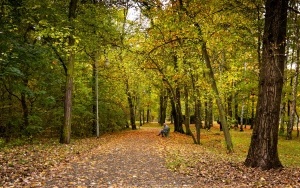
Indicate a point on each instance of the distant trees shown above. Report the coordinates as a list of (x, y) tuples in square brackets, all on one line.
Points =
[(192, 54)]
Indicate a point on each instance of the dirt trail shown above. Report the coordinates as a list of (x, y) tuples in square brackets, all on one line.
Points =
[(129, 159), (135, 159)]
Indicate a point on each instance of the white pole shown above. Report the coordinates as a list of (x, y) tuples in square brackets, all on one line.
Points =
[(97, 95)]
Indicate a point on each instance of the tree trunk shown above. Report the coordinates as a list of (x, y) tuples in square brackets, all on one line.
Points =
[(210, 113), (179, 119), (24, 108), (294, 85), (198, 123), (65, 135), (97, 99), (297, 124), (131, 107), (198, 120), (143, 115), (187, 112), (282, 114), (94, 123), (218, 99), (187, 115), (236, 111), (131, 110), (163, 103), (176, 117), (252, 112), (263, 148), (242, 117), (229, 106), (148, 114), (205, 114)]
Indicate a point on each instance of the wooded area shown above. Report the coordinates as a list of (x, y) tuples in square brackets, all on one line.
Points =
[(82, 68)]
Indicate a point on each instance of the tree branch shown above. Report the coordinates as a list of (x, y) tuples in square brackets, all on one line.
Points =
[(293, 10), (11, 92), (59, 57)]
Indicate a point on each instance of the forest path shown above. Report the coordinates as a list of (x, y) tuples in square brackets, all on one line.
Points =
[(139, 158), (126, 159)]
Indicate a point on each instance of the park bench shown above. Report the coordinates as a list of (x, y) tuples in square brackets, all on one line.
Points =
[(166, 132)]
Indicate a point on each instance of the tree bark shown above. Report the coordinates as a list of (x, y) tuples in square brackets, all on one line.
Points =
[(208, 114), (177, 113), (163, 107), (131, 107), (148, 119), (187, 115), (197, 107), (282, 114), (198, 123), (263, 148), (66, 127)]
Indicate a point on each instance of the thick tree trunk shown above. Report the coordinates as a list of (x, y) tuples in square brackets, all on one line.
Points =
[(176, 117), (263, 148), (65, 135), (66, 128)]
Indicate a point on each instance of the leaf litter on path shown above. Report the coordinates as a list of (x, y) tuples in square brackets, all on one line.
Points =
[(132, 159)]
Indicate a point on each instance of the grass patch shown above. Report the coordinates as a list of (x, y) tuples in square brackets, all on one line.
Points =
[(214, 142), (289, 150)]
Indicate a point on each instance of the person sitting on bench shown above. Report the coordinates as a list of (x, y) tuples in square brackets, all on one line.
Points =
[(165, 131)]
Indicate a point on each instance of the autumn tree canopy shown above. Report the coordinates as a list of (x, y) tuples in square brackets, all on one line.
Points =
[(79, 68)]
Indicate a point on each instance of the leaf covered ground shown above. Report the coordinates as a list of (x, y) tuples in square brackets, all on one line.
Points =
[(134, 159)]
